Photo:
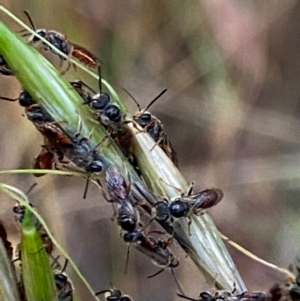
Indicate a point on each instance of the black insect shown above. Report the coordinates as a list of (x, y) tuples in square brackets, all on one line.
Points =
[(61, 42), (114, 295), (34, 112), (157, 250), (64, 287), (19, 213), (118, 190), (154, 127), (183, 206), (108, 113), (222, 295), (63, 284), (56, 141)]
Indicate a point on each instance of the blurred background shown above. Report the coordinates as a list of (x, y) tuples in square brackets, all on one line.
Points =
[(231, 112)]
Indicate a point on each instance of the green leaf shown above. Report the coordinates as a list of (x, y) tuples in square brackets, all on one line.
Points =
[(37, 275)]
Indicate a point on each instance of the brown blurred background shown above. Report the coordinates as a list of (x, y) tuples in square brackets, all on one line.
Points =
[(231, 111)]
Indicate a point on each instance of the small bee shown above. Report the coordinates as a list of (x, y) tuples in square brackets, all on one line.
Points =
[(157, 250), (183, 206), (222, 295), (61, 42), (64, 287), (56, 141), (19, 213), (154, 127), (114, 295), (109, 114), (118, 190)]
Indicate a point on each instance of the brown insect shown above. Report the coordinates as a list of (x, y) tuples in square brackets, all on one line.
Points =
[(61, 42)]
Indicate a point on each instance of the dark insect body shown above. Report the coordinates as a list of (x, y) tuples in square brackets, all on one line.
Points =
[(19, 212), (230, 296), (107, 113), (128, 220), (195, 203), (64, 287), (157, 250), (61, 42), (154, 127), (118, 190), (57, 144), (183, 206)]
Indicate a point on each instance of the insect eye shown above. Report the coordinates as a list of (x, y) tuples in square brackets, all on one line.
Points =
[(60, 280), (95, 166), (76, 85), (125, 298), (113, 113), (179, 209), (25, 100), (205, 296), (145, 117), (100, 101), (127, 223), (35, 39), (113, 298)]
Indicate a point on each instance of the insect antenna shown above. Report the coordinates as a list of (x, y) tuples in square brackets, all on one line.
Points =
[(100, 79), (177, 282), (65, 265), (136, 102), (127, 258), (87, 86), (102, 292), (8, 99), (157, 273), (186, 297), (29, 19), (86, 186), (155, 99), (30, 188)]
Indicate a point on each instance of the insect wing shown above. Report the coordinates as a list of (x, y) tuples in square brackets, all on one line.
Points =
[(85, 56)]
